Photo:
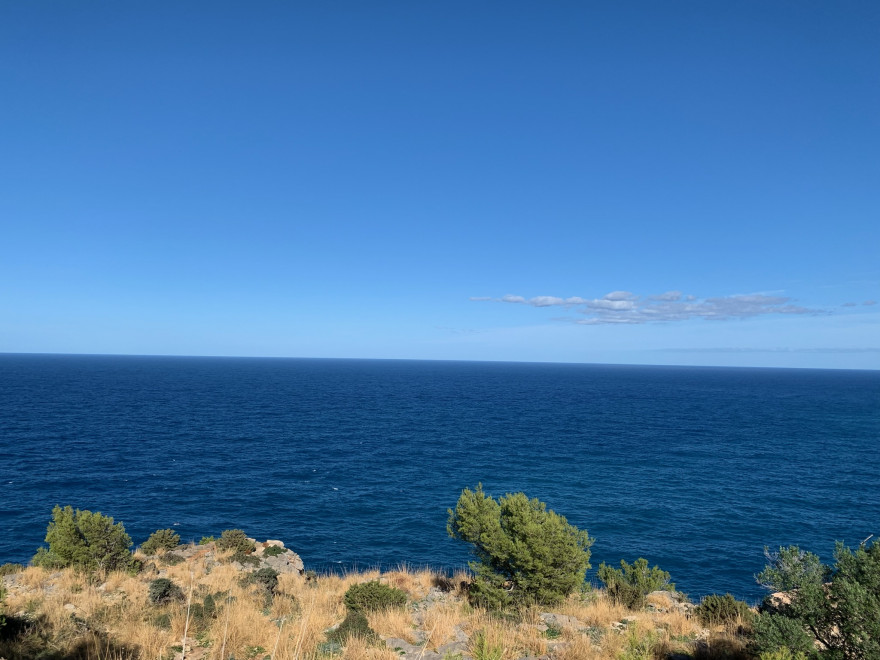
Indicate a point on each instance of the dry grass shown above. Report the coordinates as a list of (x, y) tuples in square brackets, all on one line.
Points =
[(113, 620)]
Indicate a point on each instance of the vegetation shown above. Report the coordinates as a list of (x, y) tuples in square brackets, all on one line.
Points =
[(266, 579), (84, 540), (355, 624), (715, 610), (837, 606), (631, 583), (161, 539), (373, 596), (236, 541), (273, 551), (171, 559), (244, 559), (163, 590), (525, 554)]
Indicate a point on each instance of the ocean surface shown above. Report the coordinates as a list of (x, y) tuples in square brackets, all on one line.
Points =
[(354, 463)]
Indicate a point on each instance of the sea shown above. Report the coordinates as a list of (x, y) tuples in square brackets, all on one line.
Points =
[(354, 463)]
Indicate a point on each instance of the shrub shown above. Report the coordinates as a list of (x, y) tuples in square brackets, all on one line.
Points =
[(161, 539), (715, 610), (162, 621), (373, 597), (84, 540), (355, 624), (839, 606), (9, 569), (273, 551), (163, 590), (266, 578), (783, 654), (171, 559), (629, 584), (235, 540), (245, 559), (774, 632), (524, 553), (205, 540)]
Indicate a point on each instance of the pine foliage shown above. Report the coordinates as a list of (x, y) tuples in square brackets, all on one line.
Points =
[(524, 552)]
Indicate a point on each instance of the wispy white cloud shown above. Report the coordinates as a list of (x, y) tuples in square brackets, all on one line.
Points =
[(733, 349), (625, 307)]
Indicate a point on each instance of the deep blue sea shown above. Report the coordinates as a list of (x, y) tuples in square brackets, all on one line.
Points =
[(355, 462)]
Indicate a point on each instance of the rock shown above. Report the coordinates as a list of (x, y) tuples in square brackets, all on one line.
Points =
[(776, 602), (552, 620), (289, 562), (452, 648)]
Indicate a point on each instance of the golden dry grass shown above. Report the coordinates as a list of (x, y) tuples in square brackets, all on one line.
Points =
[(114, 620)]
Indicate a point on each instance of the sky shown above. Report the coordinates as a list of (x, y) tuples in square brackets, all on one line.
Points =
[(680, 182)]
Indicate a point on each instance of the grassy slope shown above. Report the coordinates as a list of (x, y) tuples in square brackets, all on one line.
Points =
[(112, 619)]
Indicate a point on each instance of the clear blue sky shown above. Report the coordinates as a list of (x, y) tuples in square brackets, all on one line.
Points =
[(625, 182)]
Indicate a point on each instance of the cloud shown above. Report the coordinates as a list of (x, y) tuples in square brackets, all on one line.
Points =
[(731, 349), (870, 302), (850, 304), (625, 307), (669, 295)]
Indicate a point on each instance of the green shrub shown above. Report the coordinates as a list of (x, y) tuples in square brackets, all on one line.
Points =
[(483, 649), (774, 632), (355, 624), (273, 551), (10, 569), (715, 610), (839, 606), (245, 559), (161, 539), (629, 584), (84, 540), (524, 552), (163, 590), (235, 540), (210, 606), (45, 559), (373, 597), (783, 654), (171, 559), (266, 578), (162, 621), (205, 540)]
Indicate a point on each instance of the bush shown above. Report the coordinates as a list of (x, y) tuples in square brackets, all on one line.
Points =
[(525, 553), (244, 559), (266, 578), (273, 551), (839, 606), (10, 569), (84, 540), (355, 624), (164, 590), (205, 540), (161, 539), (774, 632), (373, 597), (171, 559), (235, 540), (715, 610), (629, 584)]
